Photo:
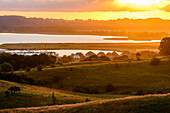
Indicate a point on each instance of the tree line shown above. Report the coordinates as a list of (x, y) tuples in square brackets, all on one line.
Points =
[(22, 62)]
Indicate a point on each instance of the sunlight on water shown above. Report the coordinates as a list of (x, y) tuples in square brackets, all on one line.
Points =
[(41, 38)]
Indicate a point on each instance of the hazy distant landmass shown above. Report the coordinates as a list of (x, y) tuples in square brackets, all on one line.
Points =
[(137, 29)]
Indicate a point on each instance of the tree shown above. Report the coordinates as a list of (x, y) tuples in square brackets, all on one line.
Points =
[(7, 94), (104, 58), (6, 67), (138, 56), (165, 46), (14, 89), (53, 98)]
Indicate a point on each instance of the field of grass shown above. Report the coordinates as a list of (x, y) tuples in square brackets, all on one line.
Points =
[(104, 80), (129, 79), (155, 104), (33, 96)]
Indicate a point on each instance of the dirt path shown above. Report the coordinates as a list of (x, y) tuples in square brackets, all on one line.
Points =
[(59, 107)]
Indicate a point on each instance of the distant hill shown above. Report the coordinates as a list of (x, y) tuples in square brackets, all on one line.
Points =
[(119, 27)]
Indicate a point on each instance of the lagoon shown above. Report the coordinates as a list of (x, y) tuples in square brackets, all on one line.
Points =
[(42, 38)]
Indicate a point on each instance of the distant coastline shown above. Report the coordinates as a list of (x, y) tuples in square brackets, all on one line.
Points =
[(82, 46)]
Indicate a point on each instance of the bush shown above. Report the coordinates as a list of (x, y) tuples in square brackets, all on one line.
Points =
[(39, 68), (14, 89), (155, 61), (52, 65), (28, 68), (6, 67), (87, 100)]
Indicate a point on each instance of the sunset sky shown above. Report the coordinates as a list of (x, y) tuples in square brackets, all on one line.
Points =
[(87, 9)]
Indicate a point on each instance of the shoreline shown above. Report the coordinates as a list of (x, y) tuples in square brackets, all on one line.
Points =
[(82, 46)]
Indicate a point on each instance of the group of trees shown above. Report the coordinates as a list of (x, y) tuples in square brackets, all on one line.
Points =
[(66, 59), (15, 62), (97, 58)]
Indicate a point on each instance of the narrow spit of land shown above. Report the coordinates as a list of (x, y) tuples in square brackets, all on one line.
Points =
[(82, 46)]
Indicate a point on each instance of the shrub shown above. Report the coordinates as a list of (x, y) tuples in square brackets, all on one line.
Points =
[(59, 63), (28, 68), (7, 94), (155, 61), (52, 65), (14, 89), (39, 68), (6, 67), (87, 100)]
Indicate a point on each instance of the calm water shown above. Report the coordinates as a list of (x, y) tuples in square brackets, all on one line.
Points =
[(40, 38)]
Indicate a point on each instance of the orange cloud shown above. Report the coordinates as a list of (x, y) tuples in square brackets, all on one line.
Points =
[(81, 5)]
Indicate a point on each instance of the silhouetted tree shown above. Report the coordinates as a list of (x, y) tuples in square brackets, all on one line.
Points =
[(53, 98), (165, 46), (138, 56), (7, 94)]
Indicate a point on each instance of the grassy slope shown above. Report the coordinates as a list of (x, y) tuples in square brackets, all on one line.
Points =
[(135, 104), (158, 104), (127, 79), (32, 96)]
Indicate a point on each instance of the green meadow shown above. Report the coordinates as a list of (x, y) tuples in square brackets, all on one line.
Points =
[(96, 82), (135, 78)]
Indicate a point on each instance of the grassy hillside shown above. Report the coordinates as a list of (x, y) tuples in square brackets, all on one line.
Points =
[(32, 96), (129, 78), (153, 104)]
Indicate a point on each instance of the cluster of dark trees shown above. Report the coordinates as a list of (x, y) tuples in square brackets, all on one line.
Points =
[(97, 58), (18, 78), (22, 62), (66, 59)]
